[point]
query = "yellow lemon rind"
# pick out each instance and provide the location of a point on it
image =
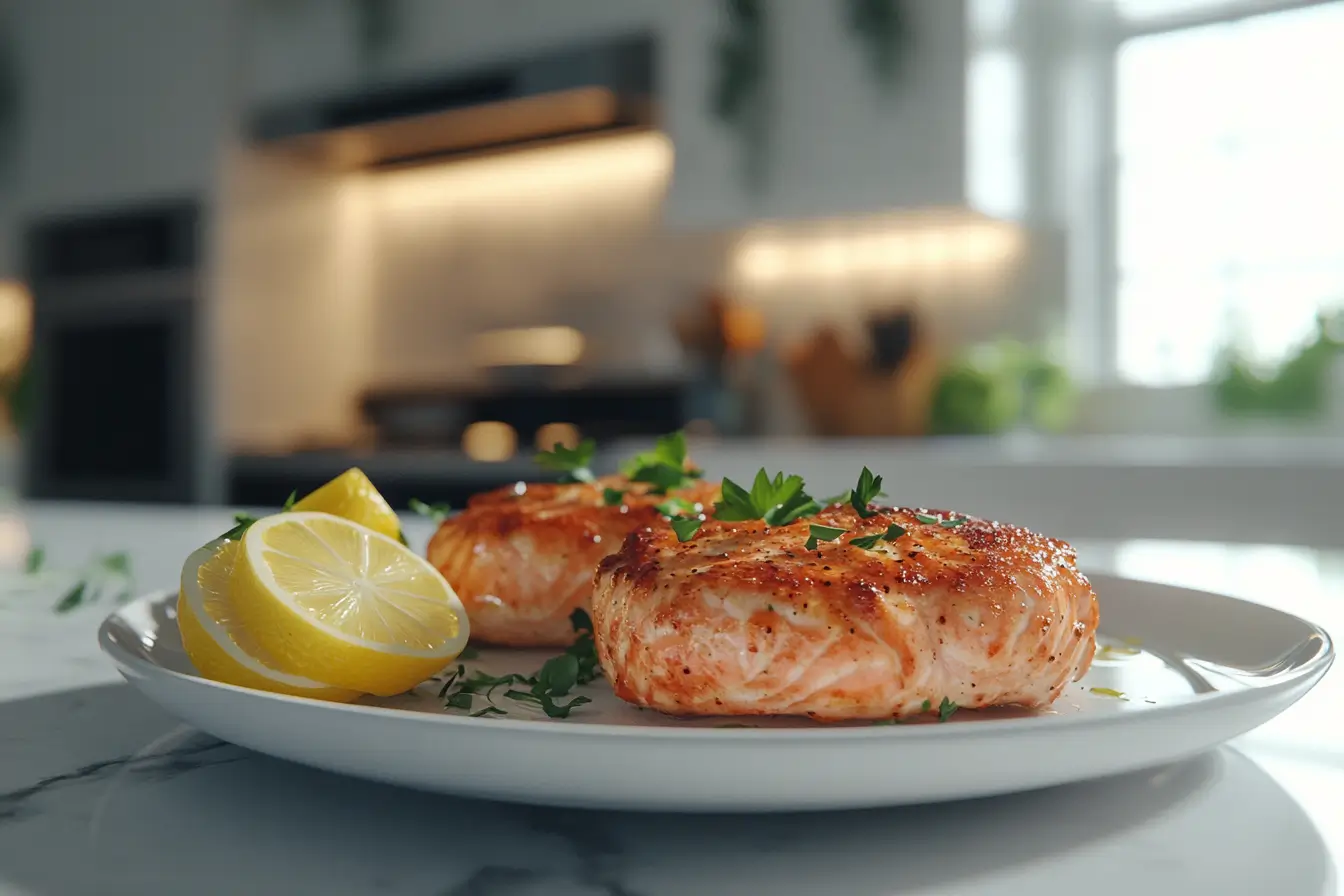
(351, 495)
(301, 645)
(219, 658)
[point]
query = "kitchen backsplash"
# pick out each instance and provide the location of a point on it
(327, 284)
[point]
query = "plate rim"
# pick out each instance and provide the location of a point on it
(1311, 669)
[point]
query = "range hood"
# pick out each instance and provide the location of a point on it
(594, 89)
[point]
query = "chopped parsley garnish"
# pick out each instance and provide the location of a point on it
(778, 501)
(867, 542)
(106, 576)
(927, 705)
(556, 678)
(945, 709)
(243, 521)
(952, 522)
(686, 527)
(573, 463)
(817, 533)
(674, 507)
(612, 496)
(926, 519)
(665, 466)
(1109, 692)
(868, 488)
(435, 512)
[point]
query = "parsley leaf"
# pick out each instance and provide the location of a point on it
(952, 522)
(559, 674)
(867, 542)
(686, 526)
(105, 576)
(822, 533)
(665, 466)
(435, 512)
(926, 519)
(674, 507)
(572, 462)
(778, 501)
(927, 705)
(72, 598)
(118, 563)
(241, 522)
(945, 710)
(557, 677)
(868, 488)
(612, 496)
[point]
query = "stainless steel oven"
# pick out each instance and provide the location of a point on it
(117, 412)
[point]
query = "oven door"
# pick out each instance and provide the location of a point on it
(114, 389)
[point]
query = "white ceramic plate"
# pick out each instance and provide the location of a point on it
(1209, 668)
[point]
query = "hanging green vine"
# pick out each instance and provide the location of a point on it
(883, 29)
(740, 91)
(739, 99)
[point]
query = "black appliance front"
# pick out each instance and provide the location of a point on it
(115, 376)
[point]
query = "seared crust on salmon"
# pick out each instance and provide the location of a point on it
(743, 620)
(522, 557)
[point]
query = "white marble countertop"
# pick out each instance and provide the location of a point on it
(102, 792)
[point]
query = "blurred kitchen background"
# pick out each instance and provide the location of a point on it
(1076, 262)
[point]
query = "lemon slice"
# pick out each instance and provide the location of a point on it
(352, 495)
(221, 648)
(334, 601)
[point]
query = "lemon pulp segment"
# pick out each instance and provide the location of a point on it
(336, 601)
(218, 645)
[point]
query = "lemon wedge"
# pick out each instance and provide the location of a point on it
(221, 648)
(340, 603)
(353, 496)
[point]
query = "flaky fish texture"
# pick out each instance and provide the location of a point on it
(522, 557)
(744, 620)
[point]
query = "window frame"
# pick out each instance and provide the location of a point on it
(1095, 323)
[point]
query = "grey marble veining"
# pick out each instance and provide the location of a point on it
(101, 792)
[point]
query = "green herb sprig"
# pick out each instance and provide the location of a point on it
(686, 527)
(578, 665)
(243, 521)
(664, 467)
(868, 542)
(950, 522)
(777, 501)
(817, 533)
(612, 496)
(573, 463)
(945, 709)
(105, 577)
(435, 513)
(864, 492)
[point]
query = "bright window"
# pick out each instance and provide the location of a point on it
(1229, 143)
